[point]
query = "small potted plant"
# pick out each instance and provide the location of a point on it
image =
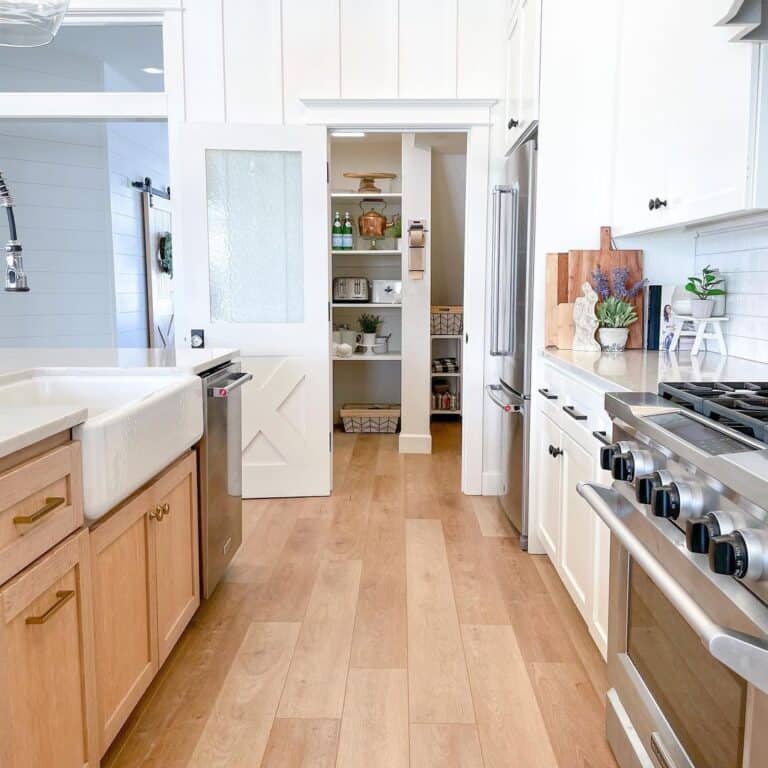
(369, 324)
(615, 312)
(704, 288)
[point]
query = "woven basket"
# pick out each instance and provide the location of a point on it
(447, 321)
(370, 417)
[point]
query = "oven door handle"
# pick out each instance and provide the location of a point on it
(746, 655)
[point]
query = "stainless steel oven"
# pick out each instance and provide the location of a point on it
(687, 646)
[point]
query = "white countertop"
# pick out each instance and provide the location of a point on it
(640, 371)
(23, 426)
(184, 360)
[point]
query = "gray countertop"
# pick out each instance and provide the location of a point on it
(641, 371)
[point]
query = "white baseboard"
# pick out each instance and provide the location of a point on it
(492, 483)
(415, 443)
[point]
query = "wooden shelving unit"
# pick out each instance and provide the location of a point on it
(375, 358)
(353, 304)
(454, 340)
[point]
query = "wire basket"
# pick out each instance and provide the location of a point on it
(447, 321)
(370, 417)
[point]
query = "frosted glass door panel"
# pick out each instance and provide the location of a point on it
(255, 236)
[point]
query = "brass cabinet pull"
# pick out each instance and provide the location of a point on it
(160, 511)
(51, 503)
(64, 596)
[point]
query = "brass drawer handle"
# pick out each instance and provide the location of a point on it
(51, 503)
(160, 511)
(64, 596)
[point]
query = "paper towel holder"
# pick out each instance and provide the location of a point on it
(417, 241)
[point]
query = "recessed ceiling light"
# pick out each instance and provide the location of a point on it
(348, 134)
(153, 70)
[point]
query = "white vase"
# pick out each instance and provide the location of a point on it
(702, 308)
(613, 339)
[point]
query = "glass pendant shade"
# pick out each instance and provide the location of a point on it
(29, 23)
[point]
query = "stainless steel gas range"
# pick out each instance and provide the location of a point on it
(688, 626)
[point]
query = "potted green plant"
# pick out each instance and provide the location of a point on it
(369, 324)
(704, 288)
(615, 312)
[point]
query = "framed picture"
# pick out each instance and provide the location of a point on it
(667, 322)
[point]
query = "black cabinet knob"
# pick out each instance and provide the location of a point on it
(623, 467)
(665, 501)
(654, 204)
(554, 452)
(699, 531)
(512, 123)
(728, 555)
(644, 487)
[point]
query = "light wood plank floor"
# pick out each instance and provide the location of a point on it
(395, 623)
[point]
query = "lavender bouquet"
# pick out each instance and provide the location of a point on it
(615, 309)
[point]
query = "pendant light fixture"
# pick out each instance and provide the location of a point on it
(29, 23)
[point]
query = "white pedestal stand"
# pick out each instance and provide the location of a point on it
(700, 333)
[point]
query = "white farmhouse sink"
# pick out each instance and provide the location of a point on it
(137, 424)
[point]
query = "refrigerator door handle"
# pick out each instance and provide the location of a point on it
(514, 252)
(500, 398)
(500, 325)
(495, 278)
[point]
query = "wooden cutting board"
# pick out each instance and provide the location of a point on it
(566, 273)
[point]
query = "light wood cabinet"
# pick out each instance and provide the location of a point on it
(146, 589)
(522, 69)
(47, 706)
(690, 108)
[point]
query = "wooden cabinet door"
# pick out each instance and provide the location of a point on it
(577, 526)
(47, 705)
(548, 467)
(176, 552)
(124, 611)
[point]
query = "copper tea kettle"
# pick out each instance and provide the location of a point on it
(371, 223)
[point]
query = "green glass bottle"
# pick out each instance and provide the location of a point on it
(346, 234)
(336, 233)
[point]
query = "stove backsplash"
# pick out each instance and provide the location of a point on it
(740, 250)
(739, 247)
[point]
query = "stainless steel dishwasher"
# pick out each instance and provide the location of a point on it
(220, 454)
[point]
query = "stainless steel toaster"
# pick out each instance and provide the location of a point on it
(350, 289)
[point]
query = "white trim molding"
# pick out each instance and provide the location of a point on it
(404, 114)
(85, 106)
(415, 443)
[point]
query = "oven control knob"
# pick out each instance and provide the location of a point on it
(728, 555)
(623, 467)
(644, 487)
(699, 531)
(608, 452)
(665, 501)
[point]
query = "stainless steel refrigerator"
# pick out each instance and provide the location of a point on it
(511, 318)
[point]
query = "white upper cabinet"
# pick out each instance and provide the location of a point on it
(522, 59)
(688, 117)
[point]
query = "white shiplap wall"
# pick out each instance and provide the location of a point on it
(740, 250)
(135, 150)
(57, 174)
(252, 60)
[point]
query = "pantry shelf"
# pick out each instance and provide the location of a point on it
(366, 196)
(446, 336)
(367, 252)
(445, 412)
(374, 358)
(436, 375)
(346, 304)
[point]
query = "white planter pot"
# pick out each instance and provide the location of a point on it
(613, 339)
(702, 308)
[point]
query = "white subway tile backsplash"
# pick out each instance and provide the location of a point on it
(740, 251)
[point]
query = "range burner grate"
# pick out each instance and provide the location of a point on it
(740, 405)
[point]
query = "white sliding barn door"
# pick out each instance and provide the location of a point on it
(255, 256)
